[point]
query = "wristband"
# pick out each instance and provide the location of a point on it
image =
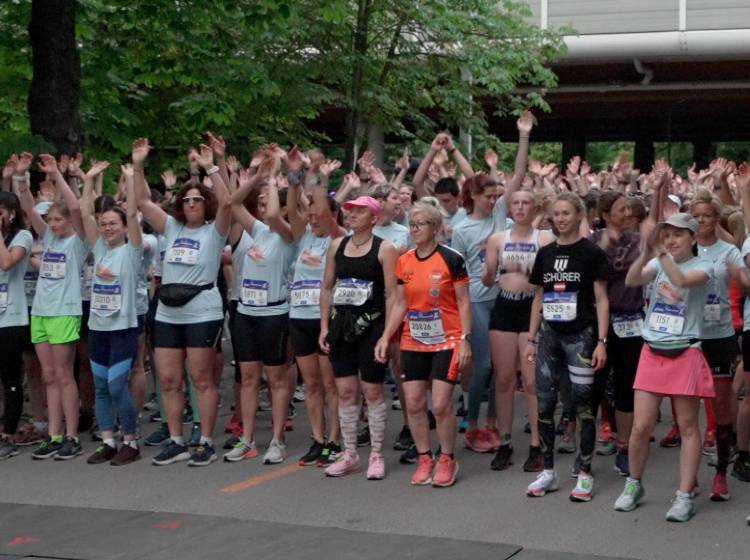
(523, 135)
(532, 342)
(19, 177)
(213, 169)
(294, 178)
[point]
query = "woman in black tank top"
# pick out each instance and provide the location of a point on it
(358, 280)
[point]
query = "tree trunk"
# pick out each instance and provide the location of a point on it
(360, 47)
(56, 83)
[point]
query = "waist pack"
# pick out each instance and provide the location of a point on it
(671, 352)
(177, 295)
(348, 327)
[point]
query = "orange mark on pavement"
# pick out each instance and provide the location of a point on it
(23, 540)
(168, 525)
(260, 479)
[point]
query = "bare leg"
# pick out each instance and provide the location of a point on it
(646, 410)
(690, 453)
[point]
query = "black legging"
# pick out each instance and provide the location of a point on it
(12, 342)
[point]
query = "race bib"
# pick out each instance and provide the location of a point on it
(106, 299)
(560, 307)
(29, 283)
(53, 265)
(305, 293)
(518, 256)
(712, 309)
(351, 291)
(426, 326)
(3, 297)
(627, 325)
(184, 251)
(667, 318)
(254, 293)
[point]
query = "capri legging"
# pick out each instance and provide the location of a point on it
(622, 356)
(12, 343)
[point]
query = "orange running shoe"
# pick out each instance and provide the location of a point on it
(445, 472)
(423, 475)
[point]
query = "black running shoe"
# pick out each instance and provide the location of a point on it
(561, 426)
(363, 436)
(503, 458)
(103, 454)
(741, 470)
(535, 461)
(329, 455)
(231, 442)
(171, 453)
(410, 456)
(47, 449)
(313, 454)
(203, 456)
(404, 440)
(70, 449)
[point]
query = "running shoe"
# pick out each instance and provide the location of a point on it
(125, 455)
(172, 453)
(348, 463)
(545, 481)
(682, 509)
(70, 449)
(404, 440)
(622, 463)
(264, 402)
(605, 432)
(410, 456)
(8, 449)
(376, 467)
(741, 470)
(195, 435)
(493, 436)
(709, 443)
(151, 404)
(720, 488)
(204, 455)
(313, 454)
(631, 495)
(535, 461)
(187, 415)
(423, 475)
(159, 437)
(275, 454)
(232, 425)
(363, 436)
(27, 435)
(47, 449)
(241, 451)
(503, 458)
(330, 454)
(584, 488)
(567, 443)
(607, 448)
(446, 471)
(292, 412)
(103, 454)
(288, 425)
(463, 425)
(396, 404)
(156, 417)
(476, 440)
(233, 440)
(299, 394)
(672, 439)
(562, 426)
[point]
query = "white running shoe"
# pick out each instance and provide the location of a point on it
(546, 481)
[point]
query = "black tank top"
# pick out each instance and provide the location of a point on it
(366, 268)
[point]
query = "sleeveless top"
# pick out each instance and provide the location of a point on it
(360, 286)
(521, 254)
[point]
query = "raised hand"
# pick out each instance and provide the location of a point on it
(490, 158)
(377, 176)
(97, 168)
(535, 167)
(23, 163)
(48, 164)
(63, 163)
(742, 179)
(293, 160)
(258, 156)
(245, 176)
(206, 156)
(169, 179)
(366, 162)
(329, 167)
(585, 168)
(574, 165)
(352, 180)
(127, 170)
(139, 151)
(404, 161)
(192, 156)
(549, 169)
(233, 164)
(10, 166)
(217, 144)
(440, 142)
(525, 122)
(74, 165)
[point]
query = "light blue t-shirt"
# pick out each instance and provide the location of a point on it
(265, 273)
(192, 256)
(717, 312)
(309, 266)
(675, 314)
(397, 234)
(470, 239)
(451, 222)
(14, 311)
(58, 290)
(746, 308)
(238, 257)
(114, 287)
(150, 248)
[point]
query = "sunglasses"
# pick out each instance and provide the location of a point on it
(192, 199)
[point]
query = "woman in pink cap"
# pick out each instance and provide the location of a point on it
(359, 278)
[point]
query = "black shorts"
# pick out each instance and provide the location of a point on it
(425, 366)
(349, 359)
(623, 355)
(511, 315)
(261, 339)
(86, 312)
(721, 355)
(194, 335)
(304, 334)
(141, 324)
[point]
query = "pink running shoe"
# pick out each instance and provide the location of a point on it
(477, 441)
(445, 472)
(348, 463)
(376, 468)
(423, 475)
(720, 488)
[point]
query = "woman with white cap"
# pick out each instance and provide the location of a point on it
(671, 361)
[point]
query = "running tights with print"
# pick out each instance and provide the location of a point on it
(482, 380)
(566, 358)
(12, 341)
(112, 355)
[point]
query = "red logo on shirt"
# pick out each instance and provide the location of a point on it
(559, 286)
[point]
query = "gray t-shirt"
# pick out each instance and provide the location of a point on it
(192, 256)
(114, 287)
(717, 311)
(150, 249)
(58, 290)
(238, 257)
(451, 222)
(14, 310)
(397, 234)
(309, 267)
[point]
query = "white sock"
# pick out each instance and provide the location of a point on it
(109, 441)
(132, 443)
(207, 440)
(178, 440)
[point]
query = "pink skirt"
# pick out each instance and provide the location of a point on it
(687, 374)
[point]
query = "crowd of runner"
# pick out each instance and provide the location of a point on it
(602, 291)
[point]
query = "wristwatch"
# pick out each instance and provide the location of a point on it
(466, 337)
(603, 340)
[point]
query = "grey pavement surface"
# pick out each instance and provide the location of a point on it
(483, 507)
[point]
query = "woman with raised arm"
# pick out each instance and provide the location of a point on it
(358, 280)
(315, 229)
(487, 214)
(15, 247)
(512, 253)
(569, 323)
(113, 322)
(671, 361)
(56, 312)
(262, 319)
(189, 315)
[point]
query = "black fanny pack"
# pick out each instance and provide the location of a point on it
(177, 295)
(348, 327)
(671, 352)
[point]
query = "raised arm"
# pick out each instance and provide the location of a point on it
(295, 175)
(459, 158)
(524, 123)
(349, 184)
(8, 169)
(24, 194)
(135, 235)
(223, 218)
(87, 201)
(440, 141)
(152, 212)
(743, 186)
(403, 167)
(49, 165)
(274, 219)
(491, 261)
